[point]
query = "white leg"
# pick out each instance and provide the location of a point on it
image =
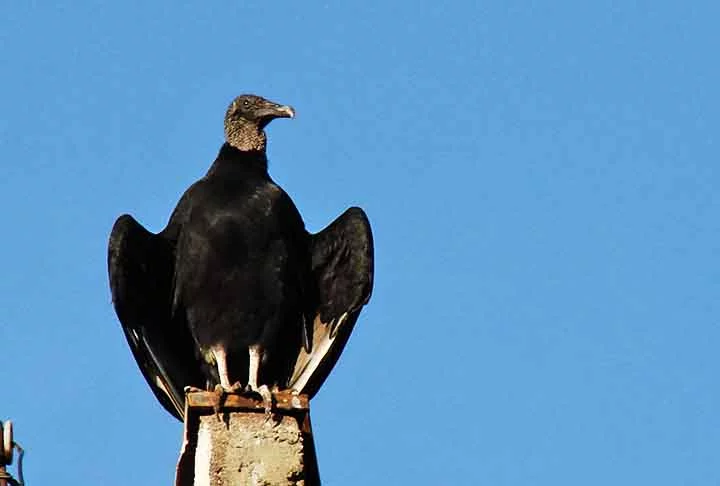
(255, 357)
(221, 360)
(264, 391)
(224, 387)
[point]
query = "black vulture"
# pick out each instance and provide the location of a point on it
(234, 292)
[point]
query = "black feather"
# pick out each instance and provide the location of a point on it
(141, 271)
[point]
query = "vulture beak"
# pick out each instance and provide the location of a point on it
(273, 110)
(285, 111)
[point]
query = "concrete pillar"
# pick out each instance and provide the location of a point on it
(241, 446)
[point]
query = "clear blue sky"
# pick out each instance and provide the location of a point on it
(541, 178)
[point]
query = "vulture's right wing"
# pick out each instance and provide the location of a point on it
(140, 266)
(342, 270)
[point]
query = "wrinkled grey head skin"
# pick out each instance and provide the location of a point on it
(246, 118)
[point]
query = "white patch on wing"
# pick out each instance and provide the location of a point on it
(322, 341)
(160, 380)
(160, 383)
(334, 328)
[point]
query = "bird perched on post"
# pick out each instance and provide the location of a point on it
(234, 294)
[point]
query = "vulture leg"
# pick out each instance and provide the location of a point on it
(255, 358)
(221, 360)
(224, 387)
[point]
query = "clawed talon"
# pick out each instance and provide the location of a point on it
(266, 395)
(264, 392)
(221, 393)
(192, 389)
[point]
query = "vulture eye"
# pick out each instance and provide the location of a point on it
(246, 103)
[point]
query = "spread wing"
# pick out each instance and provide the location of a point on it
(140, 266)
(342, 270)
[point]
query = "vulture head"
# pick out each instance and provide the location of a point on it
(246, 118)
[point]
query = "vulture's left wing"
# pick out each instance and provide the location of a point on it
(140, 267)
(342, 269)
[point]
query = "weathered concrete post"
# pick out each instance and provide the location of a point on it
(242, 446)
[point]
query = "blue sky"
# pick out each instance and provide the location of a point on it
(541, 181)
